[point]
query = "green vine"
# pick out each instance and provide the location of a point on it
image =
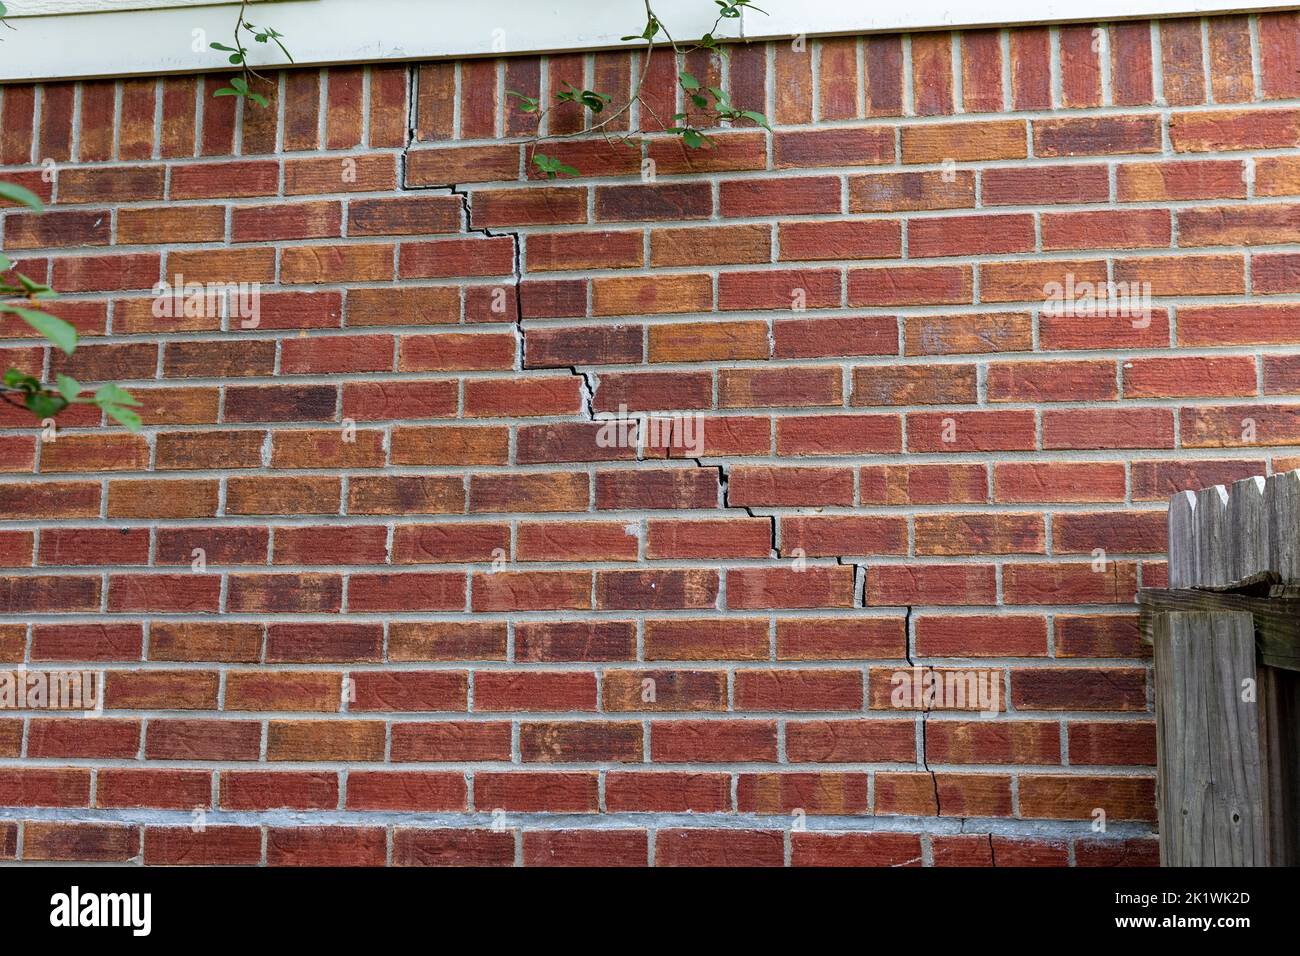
(713, 101)
(241, 85)
(23, 298)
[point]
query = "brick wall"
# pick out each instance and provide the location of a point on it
(440, 619)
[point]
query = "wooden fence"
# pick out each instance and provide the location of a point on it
(1226, 636)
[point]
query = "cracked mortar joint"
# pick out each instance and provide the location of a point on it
(925, 717)
(589, 386)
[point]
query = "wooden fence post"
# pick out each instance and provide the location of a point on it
(1211, 812)
(1226, 639)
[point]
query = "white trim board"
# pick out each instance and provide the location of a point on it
(46, 8)
(171, 36)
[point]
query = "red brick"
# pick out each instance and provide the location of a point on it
(930, 584)
(705, 741)
(212, 846)
(1080, 66)
(704, 847)
(1031, 73)
(586, 848)
(932, 81)
(1096, 136)
(839, 638)
(1131, 77)
(830, 536)
(669, 792)
(855, 849)
(968, 635)
(529, 791)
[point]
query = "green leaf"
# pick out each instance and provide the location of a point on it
(527, 104)
(113, 399)
(758, 118)
(44, 404)
(258, 98)
(552, 166)
(3, 11)
(688, 81)
(63, 335)
(115, 395)
(17, 379)
(649, 33)
(5, 263)
(123, 416)
(226, 91)
(18, 194)
(34, 289)
(69, 387)
(731, 10)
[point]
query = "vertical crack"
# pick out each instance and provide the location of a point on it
(859, 580)
(724, 482)
(516, 244)
(588, 386)
(925, 715)
(516, 248)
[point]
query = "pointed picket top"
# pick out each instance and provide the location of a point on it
(1222, 536)
(1282, 495)
(1248, 521)
(1213, 537)
(1182, 540)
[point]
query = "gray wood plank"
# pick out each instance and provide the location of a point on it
(1213, 551)
(1209, 787)
(1279, 720)
(1277, 619)
(1182, 540)
(1247, 529)
(1282, 493)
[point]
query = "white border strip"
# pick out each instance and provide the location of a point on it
(173, 39)
(45, 8)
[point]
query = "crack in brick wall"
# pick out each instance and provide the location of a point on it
(358, 676)
(588, 387)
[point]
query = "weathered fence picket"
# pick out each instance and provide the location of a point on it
(1208, 740)
(1226, 638)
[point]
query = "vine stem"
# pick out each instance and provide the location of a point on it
(5, 392)
(243, 53)
(634, 96)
